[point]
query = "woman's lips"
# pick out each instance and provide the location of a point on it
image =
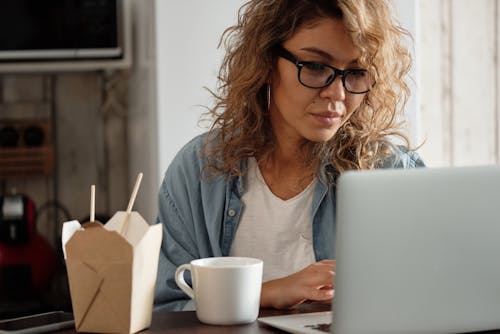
(335, 111)
(328, 118)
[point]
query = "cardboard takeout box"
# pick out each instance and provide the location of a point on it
(112, 276)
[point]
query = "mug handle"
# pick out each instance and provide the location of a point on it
(179, 279)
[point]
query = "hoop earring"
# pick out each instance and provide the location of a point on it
(268, 96)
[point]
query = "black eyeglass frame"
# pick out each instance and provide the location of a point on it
(284, 53)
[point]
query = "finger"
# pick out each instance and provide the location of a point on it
(318, 268)
(318, 278)
(322, 266)
(327, 287)
(317, 294)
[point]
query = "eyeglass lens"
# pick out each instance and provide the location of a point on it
(318, 75)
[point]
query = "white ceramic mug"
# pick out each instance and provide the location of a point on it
(226, 290)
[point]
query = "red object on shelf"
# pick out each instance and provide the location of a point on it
(27, 260)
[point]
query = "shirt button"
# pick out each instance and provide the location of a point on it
(231, 213)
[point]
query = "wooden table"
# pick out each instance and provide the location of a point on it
(186, 322)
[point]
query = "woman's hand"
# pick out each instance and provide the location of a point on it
(314, 282)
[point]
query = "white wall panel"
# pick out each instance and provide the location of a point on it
(459, 82)
(187, 35)
(473, 47)
(434, 103)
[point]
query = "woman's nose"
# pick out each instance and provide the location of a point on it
(335, 90)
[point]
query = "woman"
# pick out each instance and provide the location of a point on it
(308, 89)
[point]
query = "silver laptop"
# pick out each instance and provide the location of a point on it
(418, 251)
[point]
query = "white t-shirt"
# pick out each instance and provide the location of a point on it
(277, 231)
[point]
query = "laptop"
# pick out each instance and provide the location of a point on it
(418, 251)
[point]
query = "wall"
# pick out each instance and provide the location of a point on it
(143, 117)
(407, 13)
(459, 86)
(187, 35)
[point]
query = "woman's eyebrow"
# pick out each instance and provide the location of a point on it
(327, 56)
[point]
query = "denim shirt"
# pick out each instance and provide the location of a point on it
(200, 217)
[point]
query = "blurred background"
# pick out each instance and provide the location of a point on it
(96, 91)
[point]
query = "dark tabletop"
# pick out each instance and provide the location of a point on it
(186, 322)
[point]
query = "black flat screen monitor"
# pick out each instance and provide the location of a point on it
(59, 29)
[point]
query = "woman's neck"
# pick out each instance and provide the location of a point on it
(286, 172)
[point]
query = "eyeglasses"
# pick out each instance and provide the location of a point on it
(318, 75)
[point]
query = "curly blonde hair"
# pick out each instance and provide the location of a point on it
(241, 126)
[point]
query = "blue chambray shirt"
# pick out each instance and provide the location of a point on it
(200, 217)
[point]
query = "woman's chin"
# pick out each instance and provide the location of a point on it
(322, 135)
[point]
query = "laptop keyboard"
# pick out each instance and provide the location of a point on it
(320, 327)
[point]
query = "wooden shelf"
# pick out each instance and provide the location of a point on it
(23, 161)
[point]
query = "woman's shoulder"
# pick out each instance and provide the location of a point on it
(192, 148)
(400, 156)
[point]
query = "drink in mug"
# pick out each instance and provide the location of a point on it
(226, 290)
